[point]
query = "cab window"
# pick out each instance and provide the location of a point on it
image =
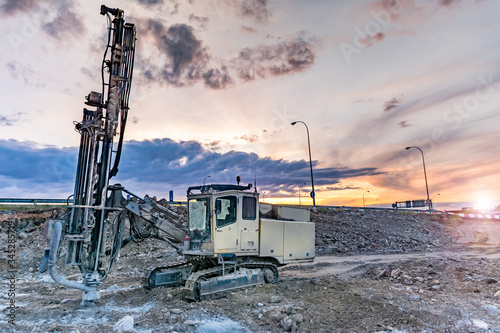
(249, 208)
(199, 219)
(225, 208)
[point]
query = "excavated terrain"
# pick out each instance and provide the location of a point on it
(375, 271)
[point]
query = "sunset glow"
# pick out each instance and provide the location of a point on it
(484, 204)
(217, 84)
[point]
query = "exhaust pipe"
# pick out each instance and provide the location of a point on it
(89, 293)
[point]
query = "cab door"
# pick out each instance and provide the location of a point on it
(226, 227)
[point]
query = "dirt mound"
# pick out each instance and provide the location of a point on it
(353, 232)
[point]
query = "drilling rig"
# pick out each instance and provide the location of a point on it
(232, 240)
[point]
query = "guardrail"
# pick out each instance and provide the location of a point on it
(57, 201)
(179, 203)
(426, 211)
(34, 201)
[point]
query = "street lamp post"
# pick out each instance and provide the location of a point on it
(364, 198)
(425, 176)
(204, 180)
(434, 197)
(313, 194)
(300, 203)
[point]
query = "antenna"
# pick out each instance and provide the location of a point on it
(255, 175)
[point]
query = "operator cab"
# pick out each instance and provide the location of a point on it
(223, 219)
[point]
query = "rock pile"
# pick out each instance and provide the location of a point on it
(355, 232)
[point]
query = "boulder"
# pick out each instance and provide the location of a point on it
(126, 324)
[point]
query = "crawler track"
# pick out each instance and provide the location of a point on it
(192, 288)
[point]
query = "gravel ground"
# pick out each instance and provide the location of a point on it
(380, 271)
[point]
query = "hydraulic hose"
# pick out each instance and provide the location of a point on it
(58, 278)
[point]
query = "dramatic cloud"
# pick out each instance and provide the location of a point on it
(216, 78)
(255, 9)
(164, 161)
(185, 163)
(184, 60)
(287, 57)
(24, 161)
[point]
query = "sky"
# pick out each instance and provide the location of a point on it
(217, 84)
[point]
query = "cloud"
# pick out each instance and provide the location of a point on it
(185, 51)
(159, 3)
(339, 188)
(411, 11)
(201, 21)
(165, 162)
(67, 22)
(286, 57)
(391, 104)
(13, 7)
(362, 100)
(247, 29)
(447, 3)
(395, 181)
(184, 60)
(216, 78)
(378, 36)
(92, 74)
(249, 138)
(403, 124)
(25, 73)
(25, 161)
(149, 3)
(255, 9)
(213, 145)
(11, 120)
(375, 38)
